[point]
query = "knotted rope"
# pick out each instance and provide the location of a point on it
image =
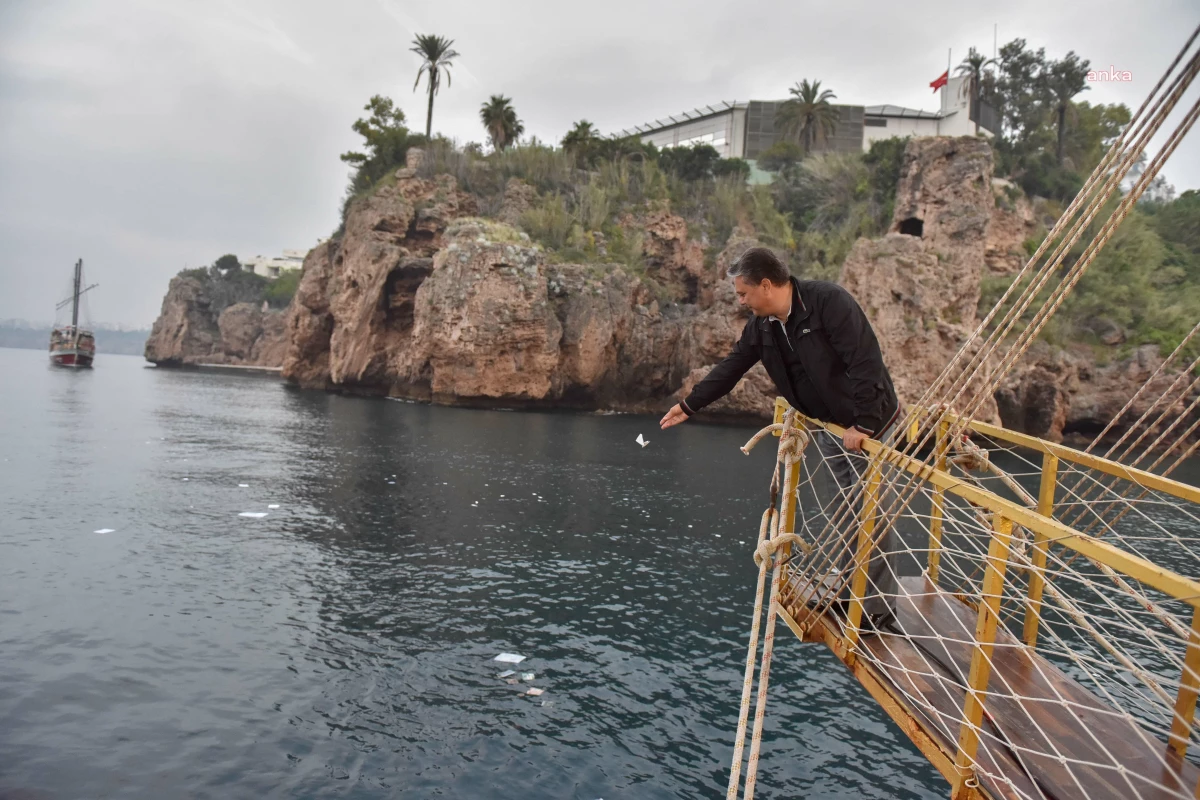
(793, 439)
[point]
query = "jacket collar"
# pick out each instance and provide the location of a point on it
(800, 310)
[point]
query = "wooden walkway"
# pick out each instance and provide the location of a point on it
(920, 679)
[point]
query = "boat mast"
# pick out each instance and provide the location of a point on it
(75, 304)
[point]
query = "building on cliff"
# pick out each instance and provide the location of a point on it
(274, 266)
(745, 130)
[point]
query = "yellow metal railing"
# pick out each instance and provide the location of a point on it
(1040, 522)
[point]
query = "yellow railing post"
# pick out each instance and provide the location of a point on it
(1037, 575)
(939, 499)
(981, 659)
(1189, 688)
(862, 560)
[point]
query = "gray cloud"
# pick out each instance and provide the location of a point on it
(148, 136)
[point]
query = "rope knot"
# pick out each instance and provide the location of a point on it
(768, 548)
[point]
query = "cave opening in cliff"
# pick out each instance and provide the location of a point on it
(400, 292)
(913, 226)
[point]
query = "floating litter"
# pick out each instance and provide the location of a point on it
(253, 514)
(243, 486)
(506, 673)
(512, 681)
(186, 479)
(105, 530)
(641, 441)
(527, 676)
(509, 658)
(391, 483)
(273, 505)
(534, 692)
(717, 535)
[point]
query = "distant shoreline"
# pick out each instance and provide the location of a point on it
(112, 342)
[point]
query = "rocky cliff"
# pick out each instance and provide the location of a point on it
(919, 284)
(191, 330)
(421, 298)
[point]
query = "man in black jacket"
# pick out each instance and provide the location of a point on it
(822, 354)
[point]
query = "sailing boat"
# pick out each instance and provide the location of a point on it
(70, 345)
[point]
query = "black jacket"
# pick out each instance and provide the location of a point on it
(828, 366)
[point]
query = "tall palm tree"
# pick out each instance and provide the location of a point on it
(808, 118)
(438, 58)
(1064, 80)
(500, 120)
(580, 136)
(972, 67)
(580, 142)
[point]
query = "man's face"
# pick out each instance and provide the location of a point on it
(751, 296)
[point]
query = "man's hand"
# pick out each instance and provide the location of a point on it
(853, 438)
(673, 417)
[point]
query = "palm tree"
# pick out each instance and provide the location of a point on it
(808, 118)
(500, 120)
(972, 67)
(1064, 80)
(580, 136)
(437, 55)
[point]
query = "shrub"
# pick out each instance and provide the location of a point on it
(280, 291)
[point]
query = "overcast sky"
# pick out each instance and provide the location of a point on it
(149, 135)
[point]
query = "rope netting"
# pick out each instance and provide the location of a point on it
(1030, 606)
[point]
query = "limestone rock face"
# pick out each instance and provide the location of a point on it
(1062, 395)
(309, 322)
(919, 284)
(1013, 223)
(241, 324)
(185, 331)
(190, 331)
(518, 198)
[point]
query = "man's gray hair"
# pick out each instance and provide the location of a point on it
(759, 264)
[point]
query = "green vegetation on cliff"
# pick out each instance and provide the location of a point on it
(227, 283)
(586, 200)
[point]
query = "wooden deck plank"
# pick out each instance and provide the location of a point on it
(1039, 708)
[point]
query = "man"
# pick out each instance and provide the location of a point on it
(818, 347)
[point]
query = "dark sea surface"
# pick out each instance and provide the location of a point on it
(342, 645)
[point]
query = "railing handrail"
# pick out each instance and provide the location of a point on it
(1133, 566)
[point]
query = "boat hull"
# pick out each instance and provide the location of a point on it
(77, 359)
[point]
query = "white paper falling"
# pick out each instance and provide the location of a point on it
(641, 441)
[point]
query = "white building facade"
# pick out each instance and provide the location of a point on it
(746, 129)
(274, 266)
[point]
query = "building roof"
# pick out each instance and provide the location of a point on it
(888, 110)
(679, 119)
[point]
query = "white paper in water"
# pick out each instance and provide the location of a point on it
(105, 530)
(506, 673)
(534, 692)
(253, 514)
(243, 486)
(527, 676)
(509, 658)
(273, 505)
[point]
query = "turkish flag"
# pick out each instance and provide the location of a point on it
(941, 80)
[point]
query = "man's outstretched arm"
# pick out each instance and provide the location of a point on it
(718, 382)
